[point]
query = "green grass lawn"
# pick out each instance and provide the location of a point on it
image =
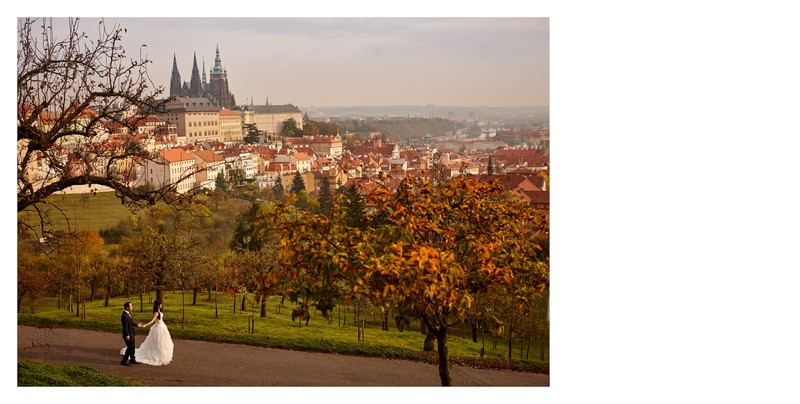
(86, 211)
(42, 374)
(277, 330)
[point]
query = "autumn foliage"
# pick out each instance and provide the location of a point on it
(428, 249)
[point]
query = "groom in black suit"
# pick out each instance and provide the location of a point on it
(129, 335)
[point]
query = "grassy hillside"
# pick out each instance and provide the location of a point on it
(78, 211)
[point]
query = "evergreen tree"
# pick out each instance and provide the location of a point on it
(252, 134)
(277, 188)
(302, 202)
(297, 184)
(220, 182)
(325, 198)
(244, 237)
(353, 206)
(490, 167)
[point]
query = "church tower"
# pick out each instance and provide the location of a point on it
(219, 84)
(194, 85)
(205, 83)
(175, 81)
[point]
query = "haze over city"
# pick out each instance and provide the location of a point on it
(497, 62)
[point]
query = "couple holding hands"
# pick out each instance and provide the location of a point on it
(157, 347)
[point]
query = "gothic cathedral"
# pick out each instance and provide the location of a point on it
(216, 90)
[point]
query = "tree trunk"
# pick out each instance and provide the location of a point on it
(541, 348)
(209, 293)
(194, 296)
(429, 340)
(244, 299)
(441, 345)
(107, 298)
(263, 305)
(510, 333)
(385, 320)
(528, 351)
(483, 343)
(183, 306)
(159, 294)
(474, 327)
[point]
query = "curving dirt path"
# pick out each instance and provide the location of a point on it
(197, 363)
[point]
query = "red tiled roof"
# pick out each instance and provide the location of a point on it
(175, 155)
(208, 156)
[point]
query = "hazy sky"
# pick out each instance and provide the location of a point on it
(355, 61)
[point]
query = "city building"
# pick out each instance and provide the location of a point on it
(270, 118)
(328, 146)
(170, 167)
(230, 126)
(196, 119)
(210, 165)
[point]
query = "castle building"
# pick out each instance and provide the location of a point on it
(270, 118)
(216, 89)
(196, 119)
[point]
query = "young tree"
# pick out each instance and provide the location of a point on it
(315, 252)
(166, 244)
(34, 275)
(255, 254)
(114, 273)
(69, 87)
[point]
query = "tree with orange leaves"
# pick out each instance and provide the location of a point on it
(431, 249)
(443, 244)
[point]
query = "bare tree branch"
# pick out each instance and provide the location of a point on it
(80, 101)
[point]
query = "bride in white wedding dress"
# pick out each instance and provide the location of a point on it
(157, 347)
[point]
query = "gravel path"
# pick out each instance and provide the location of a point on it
(197, 363)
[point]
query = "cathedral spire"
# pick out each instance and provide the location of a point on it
(217, 64)
(175, 80)
(205, 83)
(194, 84)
